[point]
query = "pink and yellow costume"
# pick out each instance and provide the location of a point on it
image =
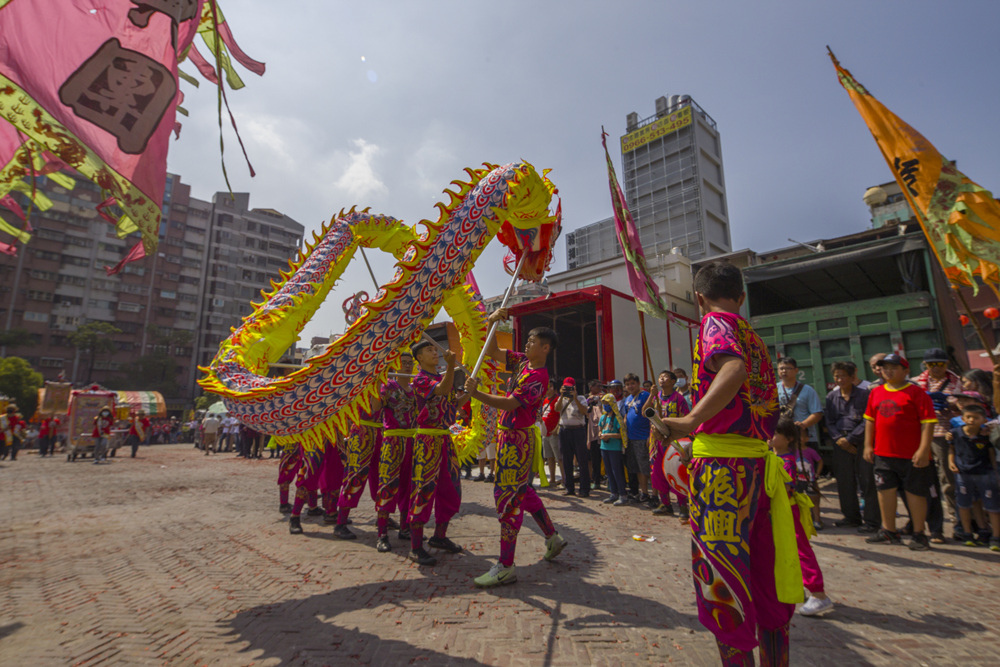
(746, 574)
(395, 470)
(518, 441)
(363, 445)
(436, 481)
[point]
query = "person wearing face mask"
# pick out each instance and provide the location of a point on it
(682, 384)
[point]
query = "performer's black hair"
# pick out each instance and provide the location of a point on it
(545, 335)
(719, 280)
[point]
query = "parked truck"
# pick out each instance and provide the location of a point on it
(884, 294)
(601, 335)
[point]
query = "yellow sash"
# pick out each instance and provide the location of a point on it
(400, 432)
(787, 569)
(365, 422)
(805, 504)
(433, 431)
(537, 463)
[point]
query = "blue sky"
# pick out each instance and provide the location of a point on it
(382, 104)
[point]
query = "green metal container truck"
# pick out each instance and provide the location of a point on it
(852, 300)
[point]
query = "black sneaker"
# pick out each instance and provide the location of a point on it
(315, 511)
(383, 546)
(907, 529)
(846, 523)
(404, 534)
(884, 536)
(664, 510)
(920, 542)
(391, 524)
(330, 519)
(342, 532)
(684, 514)
(479, 478)
(421, 557)
(489, 478)
(865, 529)
(643, 498)
(444, 544)
(285, 508)
(295, 525)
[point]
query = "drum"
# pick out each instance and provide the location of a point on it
(675, 471)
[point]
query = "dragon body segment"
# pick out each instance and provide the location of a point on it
(312, 404)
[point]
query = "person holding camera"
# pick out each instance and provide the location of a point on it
(572, 411)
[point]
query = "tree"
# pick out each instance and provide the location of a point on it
(157, 370)
(205, 401)
(94, 338)
(20, 382)
(15, 338)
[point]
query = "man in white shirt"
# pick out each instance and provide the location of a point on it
(573, 437)
(210, 431)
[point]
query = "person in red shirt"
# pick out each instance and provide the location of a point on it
(139, 431)
(47, 431)
(102, 433)
(550, 436)
(899, 426)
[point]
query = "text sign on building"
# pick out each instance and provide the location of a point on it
(662, 127)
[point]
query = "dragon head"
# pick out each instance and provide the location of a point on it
(526, 225)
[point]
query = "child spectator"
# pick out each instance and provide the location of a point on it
(900, 424)
(973, 460)
(612, 452)
(787, 444)
(981, 382)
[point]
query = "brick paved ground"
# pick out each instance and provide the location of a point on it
(175, 558)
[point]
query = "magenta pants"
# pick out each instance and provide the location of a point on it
(332, 476)
(812, 576)
(361, 467)
(436, 481)
(291, 459)
(513, 491)
(732, 551)
(395, 475)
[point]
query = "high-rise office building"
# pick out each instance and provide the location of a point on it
(674, 184)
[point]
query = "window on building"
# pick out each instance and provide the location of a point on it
(168, 294)
(36, 295)
(129, 307)
(32, 316)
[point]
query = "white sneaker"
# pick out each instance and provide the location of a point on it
(497, 576)
(554, 546)
(815, 606)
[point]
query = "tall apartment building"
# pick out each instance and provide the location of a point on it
(247, 249)
(175, 304)
(674, 185)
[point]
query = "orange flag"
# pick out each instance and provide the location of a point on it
(960, 219)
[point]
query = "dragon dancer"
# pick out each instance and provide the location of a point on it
(518, 447)
(306, 492)
(744, 558)
(288, 468)
(363, 445)
(395, 469)
(436, 476)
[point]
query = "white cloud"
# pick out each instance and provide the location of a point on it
(359, 179)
